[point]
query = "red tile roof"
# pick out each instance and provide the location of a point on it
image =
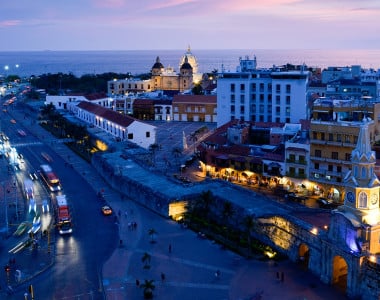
(108, 114)
(203, 99)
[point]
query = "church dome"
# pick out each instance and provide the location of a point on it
(186, 65)
(191, 59)
(158, 64)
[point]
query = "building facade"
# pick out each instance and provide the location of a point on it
(194, 108)
(262, 95)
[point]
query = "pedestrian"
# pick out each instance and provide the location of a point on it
(162, 277)
(137, 282)
(217, 274)
(278, 275)
(170, 248)
(282, 277)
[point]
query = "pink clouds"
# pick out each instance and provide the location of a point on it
(9, 23)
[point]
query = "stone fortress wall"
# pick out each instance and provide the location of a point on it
(283, 232)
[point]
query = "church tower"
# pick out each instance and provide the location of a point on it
(157, 70)
(186, 76)
(361, 203)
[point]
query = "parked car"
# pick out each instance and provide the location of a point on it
(106, 210)
(326, 203)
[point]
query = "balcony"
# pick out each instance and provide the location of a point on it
(296, 175)
(296, 162)
(317, 158)
(317, 142)
(334, 143)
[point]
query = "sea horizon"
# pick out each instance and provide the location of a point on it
(81, 62)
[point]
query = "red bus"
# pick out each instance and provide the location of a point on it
(50, 178)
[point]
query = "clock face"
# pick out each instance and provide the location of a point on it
(374, 199)
(350, 197)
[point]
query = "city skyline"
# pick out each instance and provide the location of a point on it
(171, 24)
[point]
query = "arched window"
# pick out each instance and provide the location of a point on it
(362, 200)
(363, 175)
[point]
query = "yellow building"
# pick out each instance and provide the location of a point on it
(194, 108)
(334, 132)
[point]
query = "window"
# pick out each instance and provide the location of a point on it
(278, 99)
(253, 97)
(261, 87)
(292, 157)
(316, 166)
(232, 98)
(318, 153)
(242, 109)
(147, 134)
(330, 168)
(339, 169)
(334, 155)
(302, 159)
(232, 88)
(130, 136)
(287, 100)
(339, 137)
(322, 136)
(288, 88)
(347, 157)
(278, 109)
(232, 109)
(242, 99)
(242, 87)
(362, 199)
(278, 88)
(253, 87)
(331, 137)
(315, 137)
(347, 138)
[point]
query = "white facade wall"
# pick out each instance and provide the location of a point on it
(144, 134)
(137, 132)
(60, 102)
(293, 97)
(256, 97)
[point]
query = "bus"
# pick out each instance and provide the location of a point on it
(50, 178)
(63, 215)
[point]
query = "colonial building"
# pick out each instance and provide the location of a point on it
(122, 127)
(262, 95)
(194, 108)
(334, 132)
(63, 101)
(163, 78)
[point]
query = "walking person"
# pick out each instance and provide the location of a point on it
(137, 282)
(162, 277)
(170, 248)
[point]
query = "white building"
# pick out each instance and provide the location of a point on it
(262, 95)
(62, 102)
(122, 127)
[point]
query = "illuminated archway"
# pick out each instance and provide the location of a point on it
(339, 273)
(304, 255)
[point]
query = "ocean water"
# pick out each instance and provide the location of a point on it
(29, 63)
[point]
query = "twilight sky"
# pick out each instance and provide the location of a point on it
(202, 24)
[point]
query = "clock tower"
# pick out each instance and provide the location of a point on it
(361, 203)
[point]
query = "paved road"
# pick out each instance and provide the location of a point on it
(190, 266)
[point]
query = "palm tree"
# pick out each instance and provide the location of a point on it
(194, 138)
(227, 213)
(249, 224)
(205, 201)
(152, 232)
(146, 260)
(177, 152)
(148, 287)
(153, 148)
